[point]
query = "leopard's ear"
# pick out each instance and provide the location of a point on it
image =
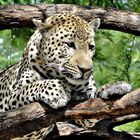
(95, 23)
(41, 25)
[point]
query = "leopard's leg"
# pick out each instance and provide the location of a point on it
(85, 91)
(113, 90)
(50, 92)
(107, 91)
(36, 135)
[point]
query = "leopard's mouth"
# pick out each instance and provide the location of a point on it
(71, 79)
(67, 74)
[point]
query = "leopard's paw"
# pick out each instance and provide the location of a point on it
(114, 90)
(54, 94)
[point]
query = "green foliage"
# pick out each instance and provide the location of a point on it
(117, 54)
(12, 43)
(117, 58)
(131, 127)
(6, 50)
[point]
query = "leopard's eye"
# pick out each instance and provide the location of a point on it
(91, 46)
(71, 44)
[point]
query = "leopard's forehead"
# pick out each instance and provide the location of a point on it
(72, 24)
(67, 19)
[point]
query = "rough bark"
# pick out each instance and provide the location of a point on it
(18, 16)
(107, 113)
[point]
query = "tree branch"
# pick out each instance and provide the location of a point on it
(108, 114)
(18, 16)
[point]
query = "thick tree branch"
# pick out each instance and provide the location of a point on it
(17, 16)
(107, 113)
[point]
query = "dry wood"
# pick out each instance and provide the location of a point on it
(18, 16)
(107, 113)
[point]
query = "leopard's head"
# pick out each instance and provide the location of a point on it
(68, 42)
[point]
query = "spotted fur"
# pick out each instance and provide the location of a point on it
(55, 67)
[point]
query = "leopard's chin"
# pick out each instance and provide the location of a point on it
(74, 81)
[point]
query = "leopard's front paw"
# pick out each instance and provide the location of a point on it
(54, 99)
(54, 95)
(114, 90)
(57, 102)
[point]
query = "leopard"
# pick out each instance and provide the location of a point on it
(56, 67)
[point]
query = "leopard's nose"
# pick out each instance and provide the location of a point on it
(84, 70)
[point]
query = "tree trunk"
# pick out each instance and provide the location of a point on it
(107, 113)
(18, 16)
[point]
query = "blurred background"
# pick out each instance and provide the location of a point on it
(117, 53)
